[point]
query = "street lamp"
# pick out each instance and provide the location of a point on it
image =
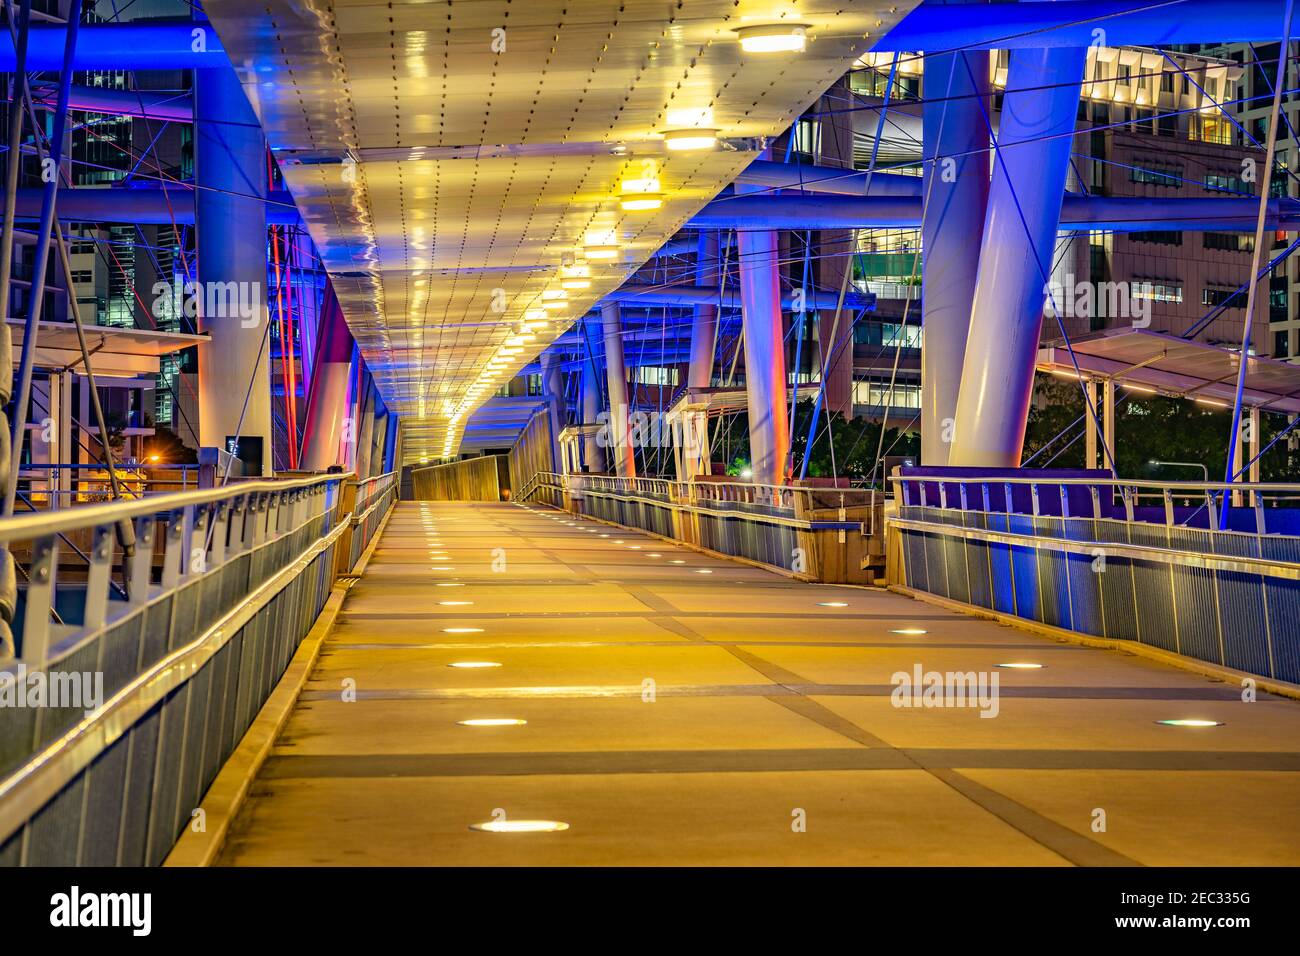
(1183, 464)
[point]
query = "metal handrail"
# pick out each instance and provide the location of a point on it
(39, 524)
(1187, 487)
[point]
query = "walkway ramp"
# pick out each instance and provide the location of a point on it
(683, 709)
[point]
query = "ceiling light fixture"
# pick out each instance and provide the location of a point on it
(774, 38)
(687, 140)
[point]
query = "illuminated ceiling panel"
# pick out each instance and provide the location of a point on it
(449, 157)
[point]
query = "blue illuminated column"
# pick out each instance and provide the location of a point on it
(327, 402)
(230, 221)
(955, 193)
(704, 327)
(765, 376)
(621, 450)
(834, 248)
(365, 426)
(1024, 207)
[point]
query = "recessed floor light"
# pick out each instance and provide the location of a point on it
(455, 603)
(604, 536)
(492, 722)
(703, 571)
(448, 584)
(442, 567)
(909, 630)
(473, 665)
(832, 603)
(520, 826)
(1190, 722)
(462, 630)
(677, 561)
(618, 540)
(635, 547)
(1022, 666)
(653, 554)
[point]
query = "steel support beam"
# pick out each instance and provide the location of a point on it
(620, 449)
(834, 256)
(1074, 23)
(230, 170)
(553, 391)
(1020, 227)
(184, 45)
(638, 294)
(1083, 213)
(704, 327)
(327, 399)
(765, 374)
(593, 454)
(955, 191)
(148, 206)
(827, 179)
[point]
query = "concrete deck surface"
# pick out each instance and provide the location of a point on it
(679, 717)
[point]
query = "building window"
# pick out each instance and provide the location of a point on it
(1277, 309)
(1212, 128)
(1232, 298)
(1228, 183)
(876, 392)
(888, 335)
(1157, 174)
(1157, 291)
(1228, 241)
(1282, 344)
(654, 375)
(808, 139)
(1159, 237)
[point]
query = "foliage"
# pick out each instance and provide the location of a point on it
(169, 448)
(1147, 428)
(854, 440)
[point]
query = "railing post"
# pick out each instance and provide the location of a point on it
(141, 561)
(197, 517)
(220, 518)
(345, 511)
(40, 598)
(1169, 507)
(172, 548)
(98, 574)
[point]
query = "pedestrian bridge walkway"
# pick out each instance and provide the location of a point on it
(675, 708)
